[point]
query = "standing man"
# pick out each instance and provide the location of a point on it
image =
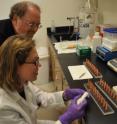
(24, 18)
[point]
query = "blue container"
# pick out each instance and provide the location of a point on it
(110, 33)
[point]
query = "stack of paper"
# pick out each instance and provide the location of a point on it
(66, 47)
(79, 72)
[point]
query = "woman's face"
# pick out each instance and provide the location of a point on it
(29, 70)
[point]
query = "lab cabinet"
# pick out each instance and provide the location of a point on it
(56, 75)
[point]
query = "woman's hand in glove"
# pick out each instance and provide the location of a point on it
(74, 111)
(71, 93)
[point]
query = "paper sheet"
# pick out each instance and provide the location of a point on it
(79, 72)
(62, 47)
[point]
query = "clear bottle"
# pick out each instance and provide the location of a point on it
(87, 18)
(53, 29)
(96, 41)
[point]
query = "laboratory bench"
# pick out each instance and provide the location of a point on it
(93, 114)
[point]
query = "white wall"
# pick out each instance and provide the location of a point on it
(57, 10)
(107, 11)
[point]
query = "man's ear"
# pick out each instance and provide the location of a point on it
(14, 19)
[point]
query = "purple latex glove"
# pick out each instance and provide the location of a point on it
(74, 111)
(71, 93)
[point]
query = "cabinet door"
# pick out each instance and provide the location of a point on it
(56, 74)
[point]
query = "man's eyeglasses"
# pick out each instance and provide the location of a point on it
(36, 62)
(32, 24)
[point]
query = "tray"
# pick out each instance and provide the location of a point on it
(108, 111)
(108, 95)
(91, 70)
(95, 76)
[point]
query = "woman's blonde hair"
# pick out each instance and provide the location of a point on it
(13, 52)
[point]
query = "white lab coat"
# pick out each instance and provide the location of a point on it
(15, 110)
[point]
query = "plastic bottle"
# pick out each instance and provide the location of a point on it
(53, 30)
(96, 41)
(88, 18)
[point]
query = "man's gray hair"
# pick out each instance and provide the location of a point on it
(19, 9)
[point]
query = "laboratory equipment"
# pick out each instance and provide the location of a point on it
(83, 97)
(110, 39)
(83, 51)
(75, 33)
(114, 89)
(93, 69)
(107, 91)
(96, 41)
(87, 18)
(53, 29)
(98, 98)
(110, 44)
(110, 33)
(113, 64)
(105, 54)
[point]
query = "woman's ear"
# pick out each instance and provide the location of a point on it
(21, 57)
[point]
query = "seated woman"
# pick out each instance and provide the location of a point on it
(19, 97)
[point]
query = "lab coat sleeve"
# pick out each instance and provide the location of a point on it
(47, 99)
(11, 117)
(48, 122)
(58, 122)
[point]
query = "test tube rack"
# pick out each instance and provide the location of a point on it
(93, 69)
(107, 91)
(100, 101)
